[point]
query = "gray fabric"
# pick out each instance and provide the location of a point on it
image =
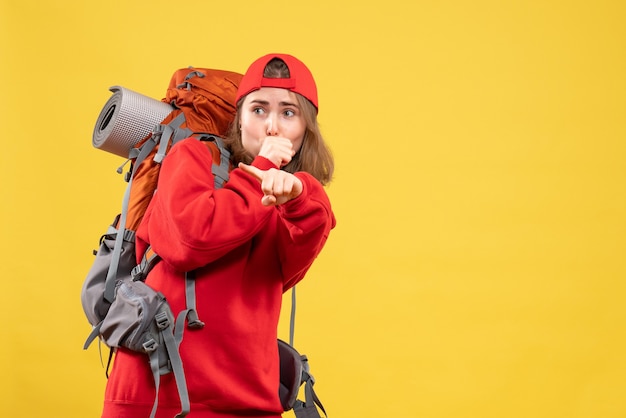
(130, 320)
(290, 372)
(92, 294)
(294, 372)
(139, 318)
(308, 408)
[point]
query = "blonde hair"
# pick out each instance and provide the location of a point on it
(314, 156)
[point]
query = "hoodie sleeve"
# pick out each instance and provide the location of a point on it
(189, 223)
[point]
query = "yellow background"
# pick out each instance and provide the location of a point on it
(477, 269)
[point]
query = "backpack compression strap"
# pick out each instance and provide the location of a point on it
(140, 155)
(307, 409)
(173, 131)
(171, 346)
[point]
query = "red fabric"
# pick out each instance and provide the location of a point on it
(246, 256)
(300, 81)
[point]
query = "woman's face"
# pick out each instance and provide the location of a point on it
(271, 111)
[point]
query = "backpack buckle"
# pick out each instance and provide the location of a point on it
(137, 273)
(150, 345)
(162, 320)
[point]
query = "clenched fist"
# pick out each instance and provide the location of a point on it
(278, 186)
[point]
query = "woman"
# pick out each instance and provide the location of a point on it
(247, 243)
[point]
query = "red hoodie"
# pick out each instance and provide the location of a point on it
(245, 256)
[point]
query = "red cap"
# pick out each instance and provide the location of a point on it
(301, 80)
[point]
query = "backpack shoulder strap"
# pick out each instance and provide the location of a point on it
(220, 171)
(292, 316)
(148, 260)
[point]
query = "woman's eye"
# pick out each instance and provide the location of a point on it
(289, 113)
(258, 110)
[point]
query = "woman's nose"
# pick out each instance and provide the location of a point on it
(272, 126)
